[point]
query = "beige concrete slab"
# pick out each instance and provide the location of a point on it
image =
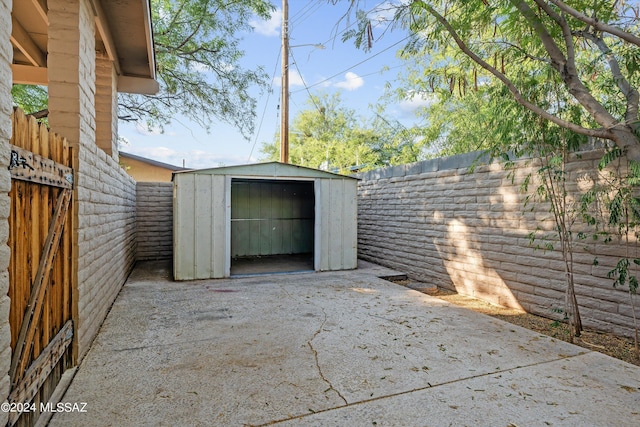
(339, 348)
(586, 390)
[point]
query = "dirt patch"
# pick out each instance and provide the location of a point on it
(615, 346)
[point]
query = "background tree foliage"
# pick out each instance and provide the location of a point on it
(197, 55)
(333, 137)
(30, 98)
(198, 66)
(575, 64)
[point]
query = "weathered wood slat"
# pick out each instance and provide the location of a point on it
(27, 166)
(40, 369)
(35, 306)
(32, 204)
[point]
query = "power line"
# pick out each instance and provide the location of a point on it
(264, 112)
(355, 65)
(296, 19)
(382, 71)
(295, 63)
(299, 17)
(332, 39)
(301, 11)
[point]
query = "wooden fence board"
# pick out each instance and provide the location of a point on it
(40, 369)
(36, 302)
(33, 202)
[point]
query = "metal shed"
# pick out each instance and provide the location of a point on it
(262, 218)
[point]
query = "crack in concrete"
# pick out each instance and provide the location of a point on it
(167, 344)
(315, 352)
(315, 355)
(429, 385)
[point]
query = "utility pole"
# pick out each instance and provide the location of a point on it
(284, 101)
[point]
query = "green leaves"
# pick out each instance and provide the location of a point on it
(622, 275)
(197, 54)
(487, 62)
(30, 98)
(329, 135)
(609, 156)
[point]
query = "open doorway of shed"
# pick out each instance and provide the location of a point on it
(272, 226)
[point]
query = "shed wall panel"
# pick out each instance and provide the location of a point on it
(323, 224)
(199, 215)
(338, 229)
(218, 213)
(203, 236)
(184, 226)
(350, 225)
(335, 226)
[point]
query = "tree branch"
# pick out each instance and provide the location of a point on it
(558, 60)
(190, 36)
(630, 93)
(598, 25)
(598, 133)
(40, 114)
(566, 35)
(565, 65)
(522, 51)
(175, 17)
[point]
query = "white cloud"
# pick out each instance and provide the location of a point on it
(295, 79)
(268, 28)
(417, 100)
(323, 82)
(144, 129)
(351, 81)
(201, 68)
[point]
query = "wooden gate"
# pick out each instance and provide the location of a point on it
(40, 270)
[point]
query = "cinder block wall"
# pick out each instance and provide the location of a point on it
(106, 206)
(6, 55)
(445, 225)
(154, 220)
(106, 105)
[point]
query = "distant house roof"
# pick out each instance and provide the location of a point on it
(152, 162)
(270, 169)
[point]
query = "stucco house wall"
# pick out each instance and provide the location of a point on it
(147, 170)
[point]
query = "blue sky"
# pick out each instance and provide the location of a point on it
(339, 67)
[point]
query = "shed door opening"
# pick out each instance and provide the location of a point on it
(272, 226)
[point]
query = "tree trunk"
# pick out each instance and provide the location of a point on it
(631, 144)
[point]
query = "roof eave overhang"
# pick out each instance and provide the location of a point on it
(137, 83)
(124, 27)
(147, 85)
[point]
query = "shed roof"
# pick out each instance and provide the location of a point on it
(269, 169)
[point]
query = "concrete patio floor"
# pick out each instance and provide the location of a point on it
(332, 349)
